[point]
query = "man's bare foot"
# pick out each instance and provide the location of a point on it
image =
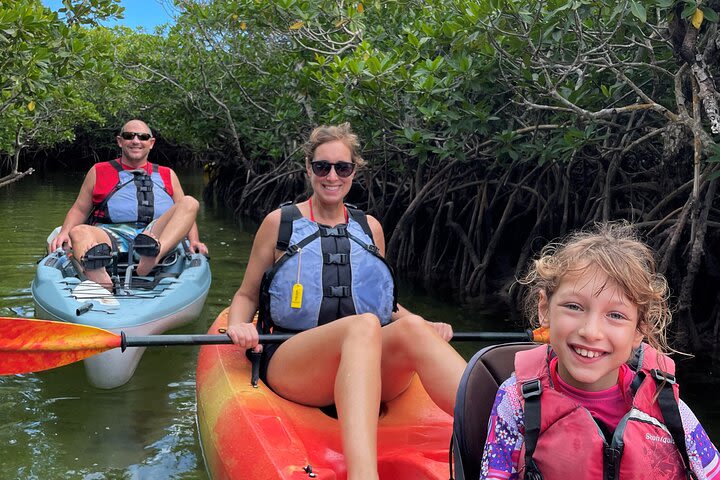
(145, 265)
(101, 277)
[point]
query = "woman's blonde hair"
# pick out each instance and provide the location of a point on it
(614, 248)
(330, 133)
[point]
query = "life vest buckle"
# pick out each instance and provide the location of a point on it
(339, 291)
(292, 250)
(335, 258)
(339, 231)
(663, 376)
(531, 388)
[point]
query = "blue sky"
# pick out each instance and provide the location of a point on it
(138, 13)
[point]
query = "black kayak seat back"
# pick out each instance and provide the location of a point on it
(485, 372)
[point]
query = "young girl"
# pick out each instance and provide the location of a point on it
(601, 400)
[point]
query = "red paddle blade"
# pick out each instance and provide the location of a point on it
(28, 345)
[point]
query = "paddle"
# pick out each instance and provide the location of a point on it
(28, 345)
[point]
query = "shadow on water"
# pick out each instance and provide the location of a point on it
(55, 425)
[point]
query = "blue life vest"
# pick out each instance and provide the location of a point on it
(136, 198)
(340, 269)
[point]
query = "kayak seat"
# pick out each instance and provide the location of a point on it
(485, 371)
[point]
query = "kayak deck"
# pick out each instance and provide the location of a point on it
(253, 433)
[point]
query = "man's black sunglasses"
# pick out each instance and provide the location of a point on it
(130, 135)
(321, 168)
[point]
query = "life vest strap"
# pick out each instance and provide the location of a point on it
(671, 414)
(145, 196)
(531, 391)
(288, 214)
(360, 217)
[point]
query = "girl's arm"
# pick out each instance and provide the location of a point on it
(704, 457)
(505, 435)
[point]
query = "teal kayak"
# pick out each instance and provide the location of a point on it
(171, 296)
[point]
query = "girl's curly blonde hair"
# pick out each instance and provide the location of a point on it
(614, 248)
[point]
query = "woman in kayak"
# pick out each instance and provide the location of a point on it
(598, 402)
(316, 269)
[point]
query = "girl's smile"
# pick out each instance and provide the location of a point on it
(593, 328)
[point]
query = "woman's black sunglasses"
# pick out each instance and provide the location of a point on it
(321, 168)
(130, 135)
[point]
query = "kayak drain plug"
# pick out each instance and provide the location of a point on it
(308, 469)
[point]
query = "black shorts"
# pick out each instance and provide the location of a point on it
(267, 353)
(269, 350)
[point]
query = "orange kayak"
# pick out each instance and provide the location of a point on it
(252, 433)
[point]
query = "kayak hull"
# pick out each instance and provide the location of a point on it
(148, 308)
(248, 432)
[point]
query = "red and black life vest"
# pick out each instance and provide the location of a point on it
(123, 195)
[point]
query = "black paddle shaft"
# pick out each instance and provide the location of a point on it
(169, 340)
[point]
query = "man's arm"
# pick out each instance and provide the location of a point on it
(194, 234)
(78, 213)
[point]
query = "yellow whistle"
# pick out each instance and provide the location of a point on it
(296, 300)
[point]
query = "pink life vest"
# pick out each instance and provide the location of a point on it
(563, 441)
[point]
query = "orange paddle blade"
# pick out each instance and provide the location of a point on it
(541, 335)
(28, 345)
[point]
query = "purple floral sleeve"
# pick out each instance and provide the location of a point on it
(704, 457)
(505, 435)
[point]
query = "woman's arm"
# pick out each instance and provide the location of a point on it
(246, 300)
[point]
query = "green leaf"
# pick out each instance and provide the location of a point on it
(710, 14)
(689, 10)
(638, 10)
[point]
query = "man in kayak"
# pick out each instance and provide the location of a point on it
(129, 202)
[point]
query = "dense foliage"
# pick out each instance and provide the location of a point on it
(50, 60)
(489, 126)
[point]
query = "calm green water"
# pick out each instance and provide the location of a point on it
(55, 425)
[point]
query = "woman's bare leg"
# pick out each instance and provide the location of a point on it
(83, 238)
(338, 362)
(411, 345)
